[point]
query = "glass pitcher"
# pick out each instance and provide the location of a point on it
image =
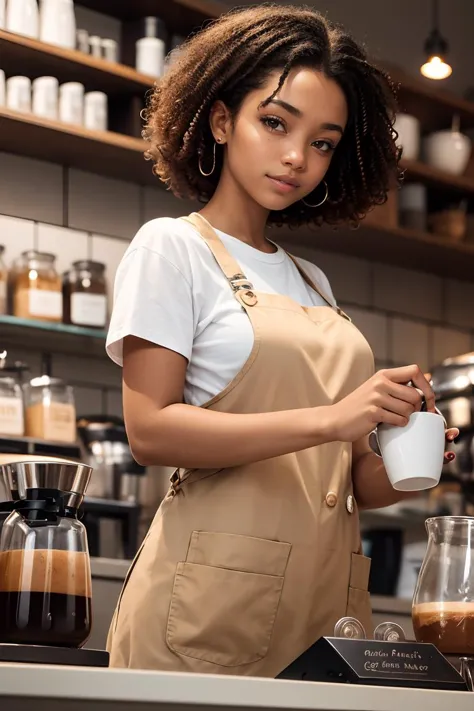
(45, 579)
(443, 603)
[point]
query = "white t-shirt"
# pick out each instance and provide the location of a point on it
(170, 290)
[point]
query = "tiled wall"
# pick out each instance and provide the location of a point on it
(407, 316)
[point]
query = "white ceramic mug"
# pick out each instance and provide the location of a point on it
(22, 17)
(414, 455)
(19, 94)
(408, 129)
(95, 111)
(58, 23)
(448, 150)
(71, 103)
(45, 97)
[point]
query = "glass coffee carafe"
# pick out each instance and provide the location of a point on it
(443, 603)
(45, 579)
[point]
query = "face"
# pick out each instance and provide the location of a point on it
(279, 153)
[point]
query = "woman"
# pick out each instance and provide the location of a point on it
(238, 367)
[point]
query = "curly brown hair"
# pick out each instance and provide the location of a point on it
(235, 54)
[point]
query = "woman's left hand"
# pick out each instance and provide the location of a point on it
(451, 435)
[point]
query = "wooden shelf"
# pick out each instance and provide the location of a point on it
(51, 337)
(102, 152)
(422, 172)
(180, 16)
(400, 247)
(22, 55)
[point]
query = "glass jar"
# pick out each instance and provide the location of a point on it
(3, 282)
(85, 295)
(443, 603)
(37, 287)
(12, 421)
(45, 578)
(50, 410)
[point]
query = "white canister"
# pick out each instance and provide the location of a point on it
(19, 94)
(58, 23)
(448, 150)
(2, 88)
(3, 7)
(45, 97)
(22, 17)
(408, 129)
(95, 44)
(150, 56)
(71, 103)
(109, 50)
(95, 111)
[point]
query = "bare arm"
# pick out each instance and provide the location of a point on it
(163, 430)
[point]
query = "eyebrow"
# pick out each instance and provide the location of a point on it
(296, 112)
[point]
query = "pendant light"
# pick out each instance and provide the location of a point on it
(436, 49)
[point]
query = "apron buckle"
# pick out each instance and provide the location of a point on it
(240, 281)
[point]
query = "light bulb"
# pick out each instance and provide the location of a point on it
(436, 68)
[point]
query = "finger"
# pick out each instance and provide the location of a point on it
(397, 406)
(389, 417)
(407, 394)
(452, 433)
(412, 373)
(449, 456)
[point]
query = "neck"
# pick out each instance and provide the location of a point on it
(233, 211)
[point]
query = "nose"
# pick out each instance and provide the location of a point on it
(295, 158)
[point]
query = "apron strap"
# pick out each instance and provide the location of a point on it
(316, 288)
(225, 260)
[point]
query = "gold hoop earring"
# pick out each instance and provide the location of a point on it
(206, 175)
(322, 201)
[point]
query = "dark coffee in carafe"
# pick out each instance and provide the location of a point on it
(448, 625)
(45, 597)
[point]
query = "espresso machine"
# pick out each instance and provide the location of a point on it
(45, 577)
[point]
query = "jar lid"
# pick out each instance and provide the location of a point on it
(44, 381)
(88, 264)
(34, 254)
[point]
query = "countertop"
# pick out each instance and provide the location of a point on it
(79, 689)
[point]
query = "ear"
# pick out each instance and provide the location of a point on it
(220, 121)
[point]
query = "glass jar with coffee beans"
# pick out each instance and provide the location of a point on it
(85, 295)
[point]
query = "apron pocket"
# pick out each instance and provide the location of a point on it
(225, 598)
(358, 599)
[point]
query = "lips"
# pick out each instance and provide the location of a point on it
(286, 180)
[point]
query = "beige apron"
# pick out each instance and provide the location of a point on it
(244, 568)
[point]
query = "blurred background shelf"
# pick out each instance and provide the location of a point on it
(181, 16)
(50, 337)
(27, 445)
(433, 177)
(23, 55)
(104, 152)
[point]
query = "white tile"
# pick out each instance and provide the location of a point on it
(408, 292)
(16, 236)
(89, 401)
(68, 245)
(31, 189)
(448, 342)
(350, 278)
(104, 205)
(114, 403)
(460, 303)
(373, 326)
(109, 251)
(409, 343)
(158, 202)
(87, 371)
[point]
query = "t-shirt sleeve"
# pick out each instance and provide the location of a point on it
(152, 300)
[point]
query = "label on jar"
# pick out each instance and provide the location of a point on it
(3, 296)
(59, 422)
(88, 309)
(11, 417)
(45, 303)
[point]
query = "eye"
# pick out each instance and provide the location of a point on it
(272, 122)
(324, 146)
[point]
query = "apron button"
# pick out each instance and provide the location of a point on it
(249, 298)
(331, 499)
(350, 503)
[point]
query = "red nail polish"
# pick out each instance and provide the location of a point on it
(451, 456)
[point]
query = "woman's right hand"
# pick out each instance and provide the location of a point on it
(385, 397)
